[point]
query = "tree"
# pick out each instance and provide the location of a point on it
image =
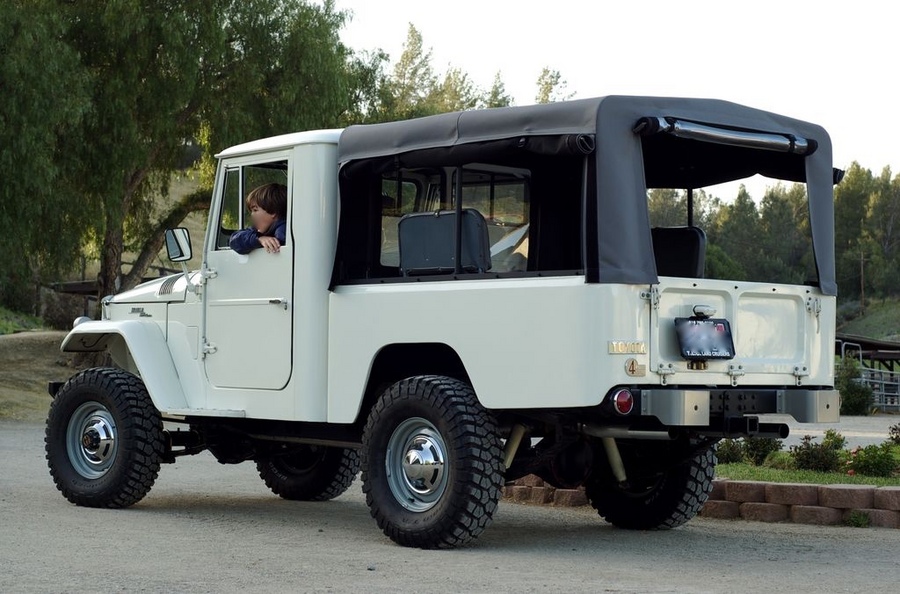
(736, 232)
(551, 87)
(882, 229)
(42, 98)
(407, 92)
(497, 96)
(415, 90)
(667, 207)
(164, 73)
(851, 200)
(456, 92)
(785, 239)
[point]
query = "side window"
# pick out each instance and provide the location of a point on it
(498, 194)
(239, 182)
(231, 217)
(522, 215)
(501, 196)
(398, 198)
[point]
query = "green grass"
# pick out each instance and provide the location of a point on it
(881, 321)
(748, 472)
(11, 322)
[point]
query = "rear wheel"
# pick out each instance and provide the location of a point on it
(432, 468)
(309, 473)
(104, 440)
(656, 502)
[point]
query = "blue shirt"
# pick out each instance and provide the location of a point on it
(247, 240)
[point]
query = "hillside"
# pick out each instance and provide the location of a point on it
(880, 321)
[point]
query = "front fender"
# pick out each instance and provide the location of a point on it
(137, 346)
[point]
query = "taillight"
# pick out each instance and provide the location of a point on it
(623, 401)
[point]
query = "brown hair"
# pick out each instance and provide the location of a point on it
(272, 198)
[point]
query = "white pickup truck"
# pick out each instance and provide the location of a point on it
(462, 300)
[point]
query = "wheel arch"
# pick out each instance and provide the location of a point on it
(398, 361)
(138, 347)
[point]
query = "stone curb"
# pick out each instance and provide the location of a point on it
(825, 505)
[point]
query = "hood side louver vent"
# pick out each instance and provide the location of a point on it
(166, 287)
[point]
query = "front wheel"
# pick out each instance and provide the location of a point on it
(656, 502)
(432, 469)
(104, 441)
(309, 473)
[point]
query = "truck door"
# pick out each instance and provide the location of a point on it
(248, 299)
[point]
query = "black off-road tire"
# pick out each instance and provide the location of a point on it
(431, 418)
(310, 473)
(104, 439)
(667, 502)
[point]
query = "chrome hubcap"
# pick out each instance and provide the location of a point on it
(416, 465)
(91, 440)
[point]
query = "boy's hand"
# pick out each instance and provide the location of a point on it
(270, 244)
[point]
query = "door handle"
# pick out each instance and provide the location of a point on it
(279, 301)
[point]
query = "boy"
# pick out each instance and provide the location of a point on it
(268, 214)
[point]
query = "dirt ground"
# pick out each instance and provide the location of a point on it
(28, 360)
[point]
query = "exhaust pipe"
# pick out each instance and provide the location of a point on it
(624, 433)
(774, 430)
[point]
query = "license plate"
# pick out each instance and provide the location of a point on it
(704, 339)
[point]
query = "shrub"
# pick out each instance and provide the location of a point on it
(756, 449)
(834, 440)
(848, 311)
(730, 451)
(857, 519)
(780, 461)
(809, 455)
(872, 460)
(856, 397)
(894, 434)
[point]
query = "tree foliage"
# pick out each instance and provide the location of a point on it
(415, 89)
(41, 220)
(551, 87)
(129, 92)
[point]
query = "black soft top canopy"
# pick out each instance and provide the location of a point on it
(680, 143)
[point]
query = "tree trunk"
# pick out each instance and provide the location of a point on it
(110, 280)
(193, 202)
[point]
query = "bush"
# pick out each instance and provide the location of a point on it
(780, 461)
(730, 451)
(757, 449)
(58, 310)
(820, 457)
(848, 311)
(894, 434)
(834, 440)
(872, 460)
(856, 397)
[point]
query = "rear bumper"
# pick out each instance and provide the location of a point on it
(696, 408)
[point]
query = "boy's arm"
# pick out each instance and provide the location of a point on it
(244, 241)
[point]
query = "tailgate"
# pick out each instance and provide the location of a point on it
(783, 335)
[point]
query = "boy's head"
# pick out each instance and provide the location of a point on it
(267, 204)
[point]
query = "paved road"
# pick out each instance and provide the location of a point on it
(212, 528)
(859, 431)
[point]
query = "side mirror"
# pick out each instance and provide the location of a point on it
(178, 244)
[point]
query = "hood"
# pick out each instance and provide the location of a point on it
(164, 289)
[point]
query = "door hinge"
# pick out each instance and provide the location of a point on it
(209, 348)
(664, 371)
(652, 296)
(800, 371)
(207, 273)
(735, 371)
